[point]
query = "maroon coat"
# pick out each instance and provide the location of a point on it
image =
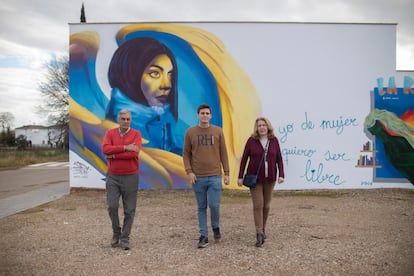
(254, 152)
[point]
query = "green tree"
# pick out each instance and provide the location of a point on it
(55, 91)
(21, 142)
(7, 138)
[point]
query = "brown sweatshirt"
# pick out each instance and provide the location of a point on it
(205, 151)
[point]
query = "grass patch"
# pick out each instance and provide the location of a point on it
(34, 210)
(69, 209)
(19, 158)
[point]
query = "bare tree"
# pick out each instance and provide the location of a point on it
(56, 137)
(55, 90)
(6, 120)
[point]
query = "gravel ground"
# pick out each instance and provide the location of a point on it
(347, 232)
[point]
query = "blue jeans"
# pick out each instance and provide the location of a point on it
(207, 190)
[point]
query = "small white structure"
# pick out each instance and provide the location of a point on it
(40, 136)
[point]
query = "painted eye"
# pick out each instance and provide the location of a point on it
(154, 74)
(170, 75)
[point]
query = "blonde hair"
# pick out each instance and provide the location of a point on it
(270, 130)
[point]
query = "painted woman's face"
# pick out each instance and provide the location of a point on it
(156, 82)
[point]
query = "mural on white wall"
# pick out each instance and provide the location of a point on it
(392, 123)
(306, 78)
(163, 106)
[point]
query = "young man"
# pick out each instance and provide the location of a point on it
(121, 147)
(204, 155)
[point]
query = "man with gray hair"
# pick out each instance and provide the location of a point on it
(121, 147)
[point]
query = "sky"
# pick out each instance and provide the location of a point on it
(34, 31)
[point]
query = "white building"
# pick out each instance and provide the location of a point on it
(40, 136)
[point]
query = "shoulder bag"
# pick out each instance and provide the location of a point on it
(250, 180)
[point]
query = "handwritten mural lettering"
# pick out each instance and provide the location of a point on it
(329, 156)
(284, 131)
(307, 124)
(297, 152)
(339, 124)
(319, 176)
(316, 174)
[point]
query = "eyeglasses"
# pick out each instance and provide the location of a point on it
(125, 119)
(204, 113)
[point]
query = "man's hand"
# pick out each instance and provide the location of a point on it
(226, 180)
(192, 177)
(131, 147)
(110, 156)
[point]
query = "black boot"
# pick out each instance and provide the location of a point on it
(259, 240)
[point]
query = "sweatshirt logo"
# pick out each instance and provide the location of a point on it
(205, 140)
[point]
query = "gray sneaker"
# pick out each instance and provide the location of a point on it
(203, 242)
(217, 235)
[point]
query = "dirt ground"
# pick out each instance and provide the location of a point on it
(347, 232)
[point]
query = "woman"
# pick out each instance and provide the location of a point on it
(143, 77)
(262, 144)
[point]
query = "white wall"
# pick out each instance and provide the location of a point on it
(309, 73)
(38, 136)
(306, 74)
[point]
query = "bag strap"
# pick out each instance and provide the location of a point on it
(263, 156)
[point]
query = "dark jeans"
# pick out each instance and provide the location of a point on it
(125, 186)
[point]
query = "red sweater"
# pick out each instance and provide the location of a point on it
(124, 162)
